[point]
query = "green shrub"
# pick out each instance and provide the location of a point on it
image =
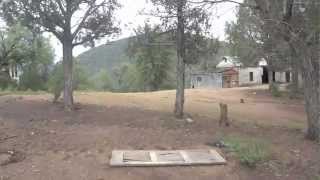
(6, 83)
(55, 83)
(250, 151)
(102, 81)
(274, 88)
(31, 79)
(12, 86)
(56, 80)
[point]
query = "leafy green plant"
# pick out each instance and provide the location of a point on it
(56, 82)
(102, 81)
(275, 90)
(152, 62)
(250, 151)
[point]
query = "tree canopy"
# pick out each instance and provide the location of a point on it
(72, 22)
(152, 60)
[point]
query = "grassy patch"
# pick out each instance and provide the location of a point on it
(250, 151)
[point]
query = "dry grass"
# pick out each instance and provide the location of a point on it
(259, 108)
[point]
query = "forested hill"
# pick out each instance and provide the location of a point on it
(105, 56)
(112, 55)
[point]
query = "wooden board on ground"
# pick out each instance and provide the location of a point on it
(166, 158)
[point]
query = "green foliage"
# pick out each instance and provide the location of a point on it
(55, 83)
(274, 89)
(35, 70)
(106, 57)
(102, 81)
(56, 80)
(29, 53)
(31, 79)
(16, 44)
(250, 151)
(126, 78)
(113, 56)
(15, 49)
(244, 36)
(80, 78)
(96, 18)
(5, 80)
(152, 59)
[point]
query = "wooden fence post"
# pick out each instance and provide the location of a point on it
(224, 115)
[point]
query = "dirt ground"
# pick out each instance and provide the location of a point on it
(51, 144)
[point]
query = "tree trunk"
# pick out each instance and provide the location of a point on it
(294, 91)
(311, 77)
(270, 77)
(224, 120)
(179, 104)
(68, 77)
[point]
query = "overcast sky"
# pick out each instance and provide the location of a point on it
(129, 18)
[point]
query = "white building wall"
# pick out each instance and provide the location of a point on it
(280, 77)
(15, 72)
(244, 76)
(210, 80)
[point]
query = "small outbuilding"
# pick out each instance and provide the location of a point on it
(250, 76)
(230, 78)
(230, 73)
(206, 80)
(226, 78)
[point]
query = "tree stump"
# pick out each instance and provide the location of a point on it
(224, 115)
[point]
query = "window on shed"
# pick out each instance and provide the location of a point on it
(251, 76)
(199, 79)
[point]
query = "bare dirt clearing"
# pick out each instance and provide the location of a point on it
(61, 145)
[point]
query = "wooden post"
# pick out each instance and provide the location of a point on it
(224, 115)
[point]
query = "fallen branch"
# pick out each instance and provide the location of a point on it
(7, 138)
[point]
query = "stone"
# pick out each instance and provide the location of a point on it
(189, 120)
(4, 158)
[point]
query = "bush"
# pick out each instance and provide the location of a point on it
(32, 79)
(274, 88)
(6, 83)
(250, 151)
(102, 81)
(56, 81)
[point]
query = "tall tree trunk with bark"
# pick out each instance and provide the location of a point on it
(311, 77)
(68, 75)
(295, 66)
(270, 73)
(179, 104)
(270, 77)
(295, 89)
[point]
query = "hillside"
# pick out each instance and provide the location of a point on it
(105, 56)
(112, 55)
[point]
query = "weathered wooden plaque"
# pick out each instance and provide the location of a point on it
(122, 158)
